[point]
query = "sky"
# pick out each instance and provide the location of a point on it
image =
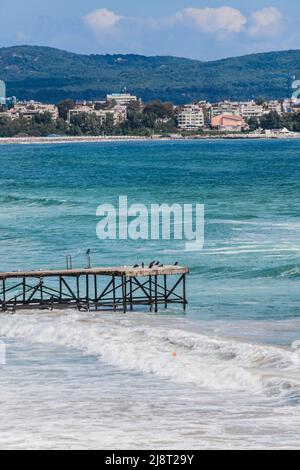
(197, 29)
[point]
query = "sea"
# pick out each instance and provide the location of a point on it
(225, 374)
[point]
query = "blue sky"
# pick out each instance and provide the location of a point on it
(191, 28)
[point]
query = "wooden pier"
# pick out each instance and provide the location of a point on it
(111, 288)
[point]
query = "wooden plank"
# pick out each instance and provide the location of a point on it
(103, 271)
(144, 288)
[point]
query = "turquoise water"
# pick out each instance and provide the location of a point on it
(49, 196)
(234, 344)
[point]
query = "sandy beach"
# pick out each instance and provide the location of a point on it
(99, 139)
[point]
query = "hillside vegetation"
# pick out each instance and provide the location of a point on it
(50, 75)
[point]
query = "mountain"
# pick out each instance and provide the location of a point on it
(49, 75)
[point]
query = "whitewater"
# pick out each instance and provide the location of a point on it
(92, 380)
(224, 375)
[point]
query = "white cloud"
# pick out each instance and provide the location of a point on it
(266, 22)
(101, 20)
(220, 21)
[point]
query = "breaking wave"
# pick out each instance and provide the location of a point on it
(148, 346)
(285, 271)
(32, 201)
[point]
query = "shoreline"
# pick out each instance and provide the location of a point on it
(107, 139)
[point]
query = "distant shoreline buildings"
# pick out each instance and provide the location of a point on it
(222, 116)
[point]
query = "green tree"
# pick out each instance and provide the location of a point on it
(64, 107)
(260, 100)
(159, 110)
(253, 123)
(272, 121)
(42, 118)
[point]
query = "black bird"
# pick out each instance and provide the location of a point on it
(88, 252)
(143, 265)
(151, 264)
(136, 266)
(176, 264)
(161, 265)
(157, 263)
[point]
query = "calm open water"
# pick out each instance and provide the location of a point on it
(110, 381)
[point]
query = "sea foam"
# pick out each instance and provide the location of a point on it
(147, 345)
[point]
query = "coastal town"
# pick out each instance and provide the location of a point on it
(123, 114)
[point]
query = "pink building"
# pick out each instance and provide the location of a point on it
(228, 122)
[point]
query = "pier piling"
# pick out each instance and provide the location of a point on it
(112, 288)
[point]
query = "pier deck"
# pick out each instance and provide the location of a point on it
(103, 288)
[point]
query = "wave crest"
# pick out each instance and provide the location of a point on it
(147, 347)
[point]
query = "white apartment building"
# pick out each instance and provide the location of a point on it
(191, 117)
(85, 109)
(225, 107)
(119, 113)
(287, 105)
(27, 109)
(251, 109)
(273, 106)
(291, 105)
(246, 109)
(122, 99)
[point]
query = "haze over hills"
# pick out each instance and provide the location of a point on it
(49, 75)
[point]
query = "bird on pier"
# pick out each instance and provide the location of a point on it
(176, 264)
(143, 265)
(161, 265)
(88, 254)
(157, 263)
(136, 266)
